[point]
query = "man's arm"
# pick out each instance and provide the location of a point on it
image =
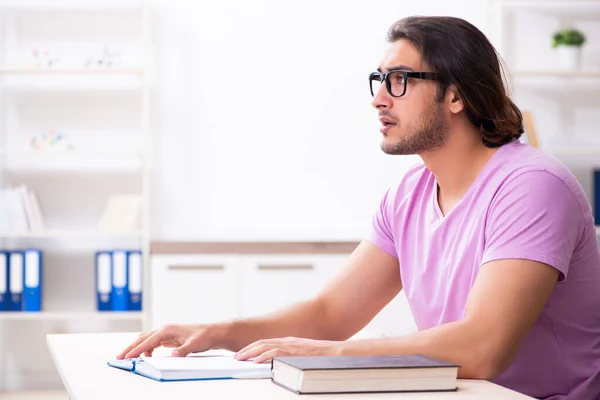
(505, 301)
(368, 282)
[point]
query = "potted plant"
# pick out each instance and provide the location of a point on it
(567, 43)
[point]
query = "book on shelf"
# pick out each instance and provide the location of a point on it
(364, 374)
(20, 210)
(119, 279)
(121, 214)
(193, 367)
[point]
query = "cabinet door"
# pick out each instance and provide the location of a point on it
(271, 282)
(193, 289)
(395, 319)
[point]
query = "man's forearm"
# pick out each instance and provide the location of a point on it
(456, 342)
(307, 319)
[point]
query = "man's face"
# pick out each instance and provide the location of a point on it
(413, 123)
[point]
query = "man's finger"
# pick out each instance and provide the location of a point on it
(150, 343)
(139, 340)
(267, 355)
(253, 352)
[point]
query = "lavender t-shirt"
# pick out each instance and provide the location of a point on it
(524, 204)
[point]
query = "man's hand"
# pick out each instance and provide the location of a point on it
(185, 338)
(266, 349)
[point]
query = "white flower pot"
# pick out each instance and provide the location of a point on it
(569, 57)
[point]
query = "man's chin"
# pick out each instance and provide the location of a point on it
(395, 148)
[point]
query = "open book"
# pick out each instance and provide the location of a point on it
(193, 367)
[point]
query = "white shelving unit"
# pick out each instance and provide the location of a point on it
(564, 103)
(71, 316)
(76, 71)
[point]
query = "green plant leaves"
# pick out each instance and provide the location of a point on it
(568, 37)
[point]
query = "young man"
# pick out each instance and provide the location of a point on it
(492, 241)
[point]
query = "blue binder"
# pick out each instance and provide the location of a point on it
(4, 281)
(103, 280)
(596, 186)
(134, 280)
(32, 293)
(15, 281)
(120, 290)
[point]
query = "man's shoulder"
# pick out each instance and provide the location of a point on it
(526, 163)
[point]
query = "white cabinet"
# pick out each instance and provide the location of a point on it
(271, 282)
(193, 289)
(217, 287)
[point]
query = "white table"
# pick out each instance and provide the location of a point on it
(81, 361)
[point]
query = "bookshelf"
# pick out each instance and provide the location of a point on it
(564, 102)
(71, 316)
(75, 130)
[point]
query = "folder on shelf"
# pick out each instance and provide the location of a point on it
(3, 281)
(134, 272)
(103, 280)
(32, 293)
(120, 296)
(15, 282)
(596, 196)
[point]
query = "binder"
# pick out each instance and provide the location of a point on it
(15, 281)
(134, 272)
(596, 196)
(32, 293)
(120, 291)
(3, 281)
(103, 280)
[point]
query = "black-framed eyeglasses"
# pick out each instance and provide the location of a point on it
(395, 80)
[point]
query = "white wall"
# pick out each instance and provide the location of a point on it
(262, 117)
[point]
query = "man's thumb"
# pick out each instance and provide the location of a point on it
(182, 350)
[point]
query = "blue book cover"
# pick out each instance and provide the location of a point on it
(597, 196)
(135, 279)
(32, 293)
(120, 290)
(104, 281)
(15, 281)
(4, 295)
(193, 367)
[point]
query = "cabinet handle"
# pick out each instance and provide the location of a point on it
(272, 267)
(197, 267)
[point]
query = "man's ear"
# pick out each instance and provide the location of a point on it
(454, 100)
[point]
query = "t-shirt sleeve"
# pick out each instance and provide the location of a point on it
(536, 217)
(381, 233)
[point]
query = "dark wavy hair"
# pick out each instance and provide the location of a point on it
(465, 58)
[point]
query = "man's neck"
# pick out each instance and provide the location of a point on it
(456, 166)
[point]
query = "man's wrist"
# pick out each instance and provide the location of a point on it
(219, 334)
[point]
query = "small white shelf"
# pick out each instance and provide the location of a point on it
(581, 81)
(566, 9)
(70, 315)
(76, 160)
(28, 80)
(574, 152)
(556, 74)
(60, 5)
(71, 71)
(70, 234)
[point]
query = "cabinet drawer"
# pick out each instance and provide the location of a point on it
(193, 289)
(271, 282)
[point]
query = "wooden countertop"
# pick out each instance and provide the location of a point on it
(167, 247)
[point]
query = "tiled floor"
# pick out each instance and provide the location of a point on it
(35, 395)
